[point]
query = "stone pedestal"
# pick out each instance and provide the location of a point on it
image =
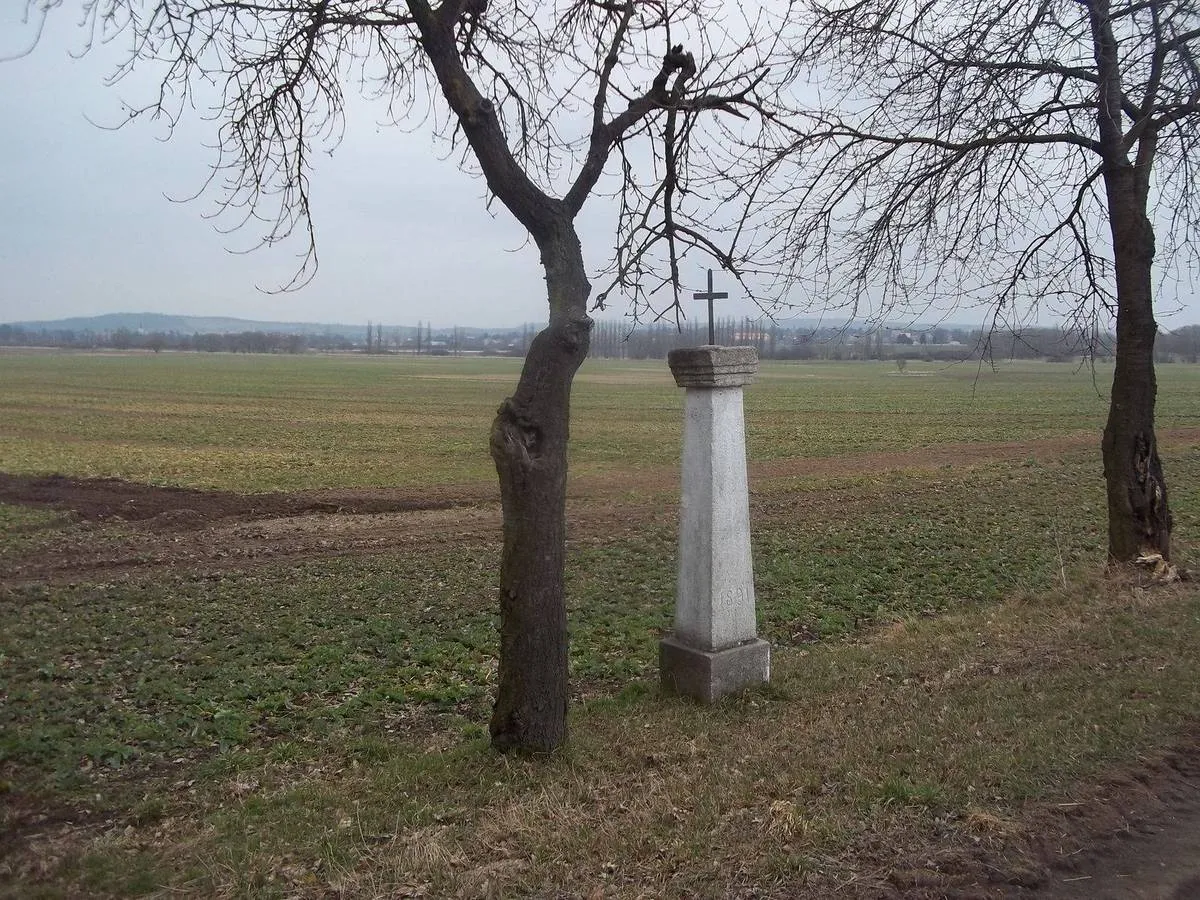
(715, 649)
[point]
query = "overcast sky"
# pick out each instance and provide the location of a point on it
(87, 226)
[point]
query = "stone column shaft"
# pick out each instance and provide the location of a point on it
(714, 649)
(715, 599)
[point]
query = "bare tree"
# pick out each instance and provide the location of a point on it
(537, 96)
(1013, 155)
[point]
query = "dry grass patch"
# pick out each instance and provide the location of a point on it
(906, 760)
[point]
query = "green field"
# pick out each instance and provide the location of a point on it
(254, 423)
(928, 552)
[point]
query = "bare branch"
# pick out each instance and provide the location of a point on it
(956, 157)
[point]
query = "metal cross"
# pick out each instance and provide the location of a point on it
(710, 295)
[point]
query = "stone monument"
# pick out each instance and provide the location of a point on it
(715, 649)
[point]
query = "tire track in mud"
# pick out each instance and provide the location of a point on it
(129, 529)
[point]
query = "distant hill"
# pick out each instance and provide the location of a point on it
(148, 322)
(160, 322)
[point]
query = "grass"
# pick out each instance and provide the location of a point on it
(945, 650)
(23, 529)
(249, 423)
(255, 423)
(159, 666)
(945, 726)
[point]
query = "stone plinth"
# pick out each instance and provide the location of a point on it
(715, 649)
(713, 367)
(709, 675)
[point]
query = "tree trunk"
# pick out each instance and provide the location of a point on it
(529, 447)
(1139, 520)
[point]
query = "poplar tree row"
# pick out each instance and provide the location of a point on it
(621, 340)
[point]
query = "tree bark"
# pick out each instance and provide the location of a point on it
(1139, 519)
(529, 447)
(529, 434)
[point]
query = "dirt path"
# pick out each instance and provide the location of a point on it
(184, 529)
(1159, 860)
(131, 529)
(1137, 837)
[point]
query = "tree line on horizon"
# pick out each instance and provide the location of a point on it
(617, 339)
